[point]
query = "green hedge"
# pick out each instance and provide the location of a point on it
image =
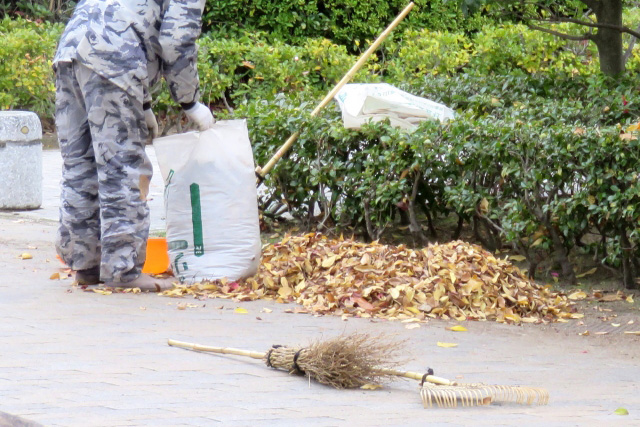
(26, 52)
(547, 190)
(347, 22)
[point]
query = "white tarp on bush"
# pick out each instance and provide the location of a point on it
(364, 102)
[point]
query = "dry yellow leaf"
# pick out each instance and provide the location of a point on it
(610, 298)
(365, 260)
(513, 317)
(483, 206)
(241, 310)
(633, 127)
(579, 295)
(285, 292)
(537, 242)
(328, 262)
(630, 299)
(371, 387)
(414, 310)
(412, 326)
(587, 273)
(457, 328)
(446, 344)
(632, 332)
(26, 255)
(55, 276)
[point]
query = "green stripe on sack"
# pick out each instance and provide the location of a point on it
(196, 218)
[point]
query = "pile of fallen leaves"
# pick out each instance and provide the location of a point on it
(456, 280)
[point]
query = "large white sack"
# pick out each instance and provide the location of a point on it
(364, 102)
(211, 204)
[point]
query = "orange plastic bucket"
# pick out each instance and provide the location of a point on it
(157, 256)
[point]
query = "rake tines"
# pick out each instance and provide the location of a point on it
(449, 396)
(445, 396)
(443, 393)
(517, 394)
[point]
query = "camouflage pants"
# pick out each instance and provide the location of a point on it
(104, 217)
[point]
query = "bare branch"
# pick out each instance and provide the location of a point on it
(591, 4)
(620, 28)
(632, 43)
(226, 103)
(565, 36)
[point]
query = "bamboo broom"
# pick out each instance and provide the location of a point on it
(356, 360)
(261, 172)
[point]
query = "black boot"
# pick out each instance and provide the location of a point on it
(90, 276)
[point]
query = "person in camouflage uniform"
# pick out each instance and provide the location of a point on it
(110, 54)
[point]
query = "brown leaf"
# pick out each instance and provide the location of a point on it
(363, 303)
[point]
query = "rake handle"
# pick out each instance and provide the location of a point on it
(416, 376)
(263, 171)
(219, 350)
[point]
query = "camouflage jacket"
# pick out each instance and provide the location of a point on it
(135, 42)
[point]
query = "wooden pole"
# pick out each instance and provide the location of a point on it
(219, 350)
(261, 172)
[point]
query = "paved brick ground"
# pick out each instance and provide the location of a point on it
(74, 358)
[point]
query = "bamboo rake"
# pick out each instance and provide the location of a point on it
(261, 172)
(348, 362)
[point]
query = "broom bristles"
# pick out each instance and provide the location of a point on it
(341, 362)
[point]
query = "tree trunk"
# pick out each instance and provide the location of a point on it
(419, 239)
(629, 271)
(609, 40)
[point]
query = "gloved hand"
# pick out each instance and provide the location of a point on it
(201, 116)
(152, 123)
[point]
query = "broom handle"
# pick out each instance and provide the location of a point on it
(416, 376)
(262, 172)
(260, 355)
(219, 350)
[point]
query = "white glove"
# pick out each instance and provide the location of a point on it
(201, 116)
(152, 123)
